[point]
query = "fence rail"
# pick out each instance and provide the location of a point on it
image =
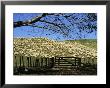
(43, 64)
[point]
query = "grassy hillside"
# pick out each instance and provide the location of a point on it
(92, 43)
(42, 47)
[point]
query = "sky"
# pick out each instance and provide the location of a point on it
(29, 31)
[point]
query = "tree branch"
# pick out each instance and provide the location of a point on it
(50, 23)
(29, 22)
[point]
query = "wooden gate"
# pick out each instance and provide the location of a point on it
(65, 62)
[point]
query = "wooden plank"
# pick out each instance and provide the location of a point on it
(70, 57)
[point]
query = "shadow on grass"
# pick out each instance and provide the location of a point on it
(83, 70)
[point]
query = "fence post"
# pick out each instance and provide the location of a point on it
(41, 62)
(15, 62)
(79, 62)
(32, 62)
(23, 61)
(54, 59)
(75, 61)
(58, 61)
(92, 61)
(46, 62)
(36, 62)
(51, 63)
(28, 61)
(84, 61)
(20, 61)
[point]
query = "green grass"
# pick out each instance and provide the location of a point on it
(49, 48)
(92, 43)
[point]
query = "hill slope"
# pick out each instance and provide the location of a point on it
(42, 47)
(92, 43)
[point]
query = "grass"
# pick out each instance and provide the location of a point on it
(48, 48)
(43, 47)
(92, 43)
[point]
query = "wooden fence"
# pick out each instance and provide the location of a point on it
(23, 61)
(27, 62)
(64, 62)
(35, 65)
